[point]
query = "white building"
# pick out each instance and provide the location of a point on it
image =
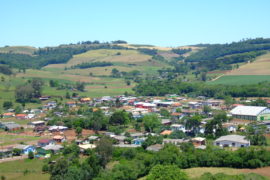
(232, 141)
(251, 112)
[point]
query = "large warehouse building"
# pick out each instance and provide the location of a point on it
(251, 112)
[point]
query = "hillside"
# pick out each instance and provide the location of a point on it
(261, 66)
(248, 73)
(18, 49)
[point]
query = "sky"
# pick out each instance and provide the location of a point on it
(167, 23)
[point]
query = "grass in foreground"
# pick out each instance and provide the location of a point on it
(23, 170)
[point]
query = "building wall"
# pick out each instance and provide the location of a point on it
(230, 144)
(263, 117)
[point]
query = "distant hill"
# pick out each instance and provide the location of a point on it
(18, 49)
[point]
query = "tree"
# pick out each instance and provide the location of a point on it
(194, 123)
(115, 73)
(119, 118)
(255, 133)
(7, 104)
(206, 109)
(24, 93)
(166, 172)
(78, 131)
(80, 86)
(128, 82)
(228, 101)
(18, 109)
(203, 76)
(16, 152)
(151, 122)
(37, 84)
(104, 149)
(164, 112)
(31, 155)
(67, 95)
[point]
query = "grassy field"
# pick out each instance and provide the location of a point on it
(108, 55)
(7, 139)
(197, 172)
(241, 79)
(261, 66)
(16, 170)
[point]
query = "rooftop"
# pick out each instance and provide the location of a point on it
(248, 110)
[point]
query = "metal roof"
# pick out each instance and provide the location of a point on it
(248, 110)
(233, 138)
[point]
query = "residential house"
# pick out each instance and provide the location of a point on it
(8, 115)
(232, 141)
(138, 141)
(45, 142)
(166, 122)
(10, 126)
(25, 149)
(198, 141)
(178, 127)
(37, 123)
(55, 148)
(59, 139)
(232, 128)
(174, 141)
(57, 128)
(21, 116)
(155, 147)
(71, 104)
(84, 147)
(166, 132)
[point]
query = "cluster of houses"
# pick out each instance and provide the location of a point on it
(178, 107)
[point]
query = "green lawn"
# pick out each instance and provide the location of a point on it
(241, 79)
(14, 170)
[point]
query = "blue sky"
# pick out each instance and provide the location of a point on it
(165, 23)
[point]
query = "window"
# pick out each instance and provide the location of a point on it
(233, 144)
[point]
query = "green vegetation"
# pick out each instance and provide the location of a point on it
(241, 79)
(91, 65)
(163, 87)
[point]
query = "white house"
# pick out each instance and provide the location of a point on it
(232, 141)
(178, 127)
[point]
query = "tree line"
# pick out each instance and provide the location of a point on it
(163, 87)
(91, 65)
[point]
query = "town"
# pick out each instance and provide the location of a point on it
(131, 122)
